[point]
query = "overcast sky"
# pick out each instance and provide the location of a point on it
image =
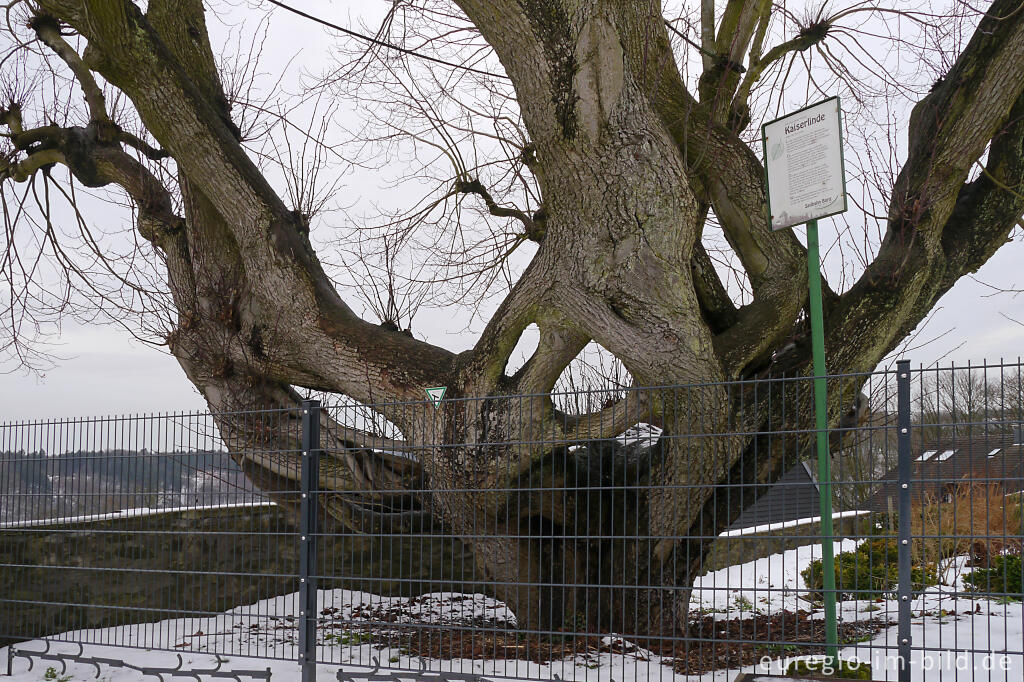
(105, 372)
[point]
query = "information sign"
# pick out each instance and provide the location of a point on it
(803, 154)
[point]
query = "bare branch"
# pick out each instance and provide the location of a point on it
(534, 230)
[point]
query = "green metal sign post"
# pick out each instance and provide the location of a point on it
(828, 565)
(803, 153)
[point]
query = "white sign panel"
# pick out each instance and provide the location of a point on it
(803, 154)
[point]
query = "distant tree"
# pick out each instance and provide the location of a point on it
(968, 402)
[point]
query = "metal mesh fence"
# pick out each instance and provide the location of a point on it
(141, 532)
(543, 555)
(643, 533)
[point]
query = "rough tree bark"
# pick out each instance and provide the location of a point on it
(629, 163)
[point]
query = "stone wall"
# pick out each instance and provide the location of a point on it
(56, 578)
(170, 565)
(739, 549)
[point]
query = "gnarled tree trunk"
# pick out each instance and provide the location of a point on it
(629, 164)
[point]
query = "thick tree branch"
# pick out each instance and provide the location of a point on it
(758, 65)
(352, 437)
(151, 152)
(952, 125)
(988, 208)
(728, 176)
(740, 20)
(717, 305)
(362, 518)
(611, 420)
(366, 361)
(371, 484)
(533, 40)
(95, 162)
(940, 228)
(19, 171)
(48, 30)
(559, 345)
(11, 117)
(182, 29)
(534, 230)
(707, 33)
(482, 369)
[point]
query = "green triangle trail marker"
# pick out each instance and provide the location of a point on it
(436, 394)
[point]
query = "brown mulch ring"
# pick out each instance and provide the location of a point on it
(710, 645)
(745, 641)
(439, 644)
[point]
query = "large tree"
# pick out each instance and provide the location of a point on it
(623, 147)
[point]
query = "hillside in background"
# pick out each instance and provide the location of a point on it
(38, 486)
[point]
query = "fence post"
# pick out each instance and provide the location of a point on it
(903, 592)
(307, 537)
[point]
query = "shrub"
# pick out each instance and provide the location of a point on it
(872, 570)
(1003, 576)
(51, 675)
(980, 520)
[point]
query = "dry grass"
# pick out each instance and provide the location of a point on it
(980, 520)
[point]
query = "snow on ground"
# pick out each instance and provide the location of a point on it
(268, 628)
(642, 435)
(769, 584)
(965, 638)
(953, 636)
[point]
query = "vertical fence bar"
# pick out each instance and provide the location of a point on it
(904, 456)
(307, 538)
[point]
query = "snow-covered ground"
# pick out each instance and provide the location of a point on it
(964, 638)
(766, 585)
(953, 636)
